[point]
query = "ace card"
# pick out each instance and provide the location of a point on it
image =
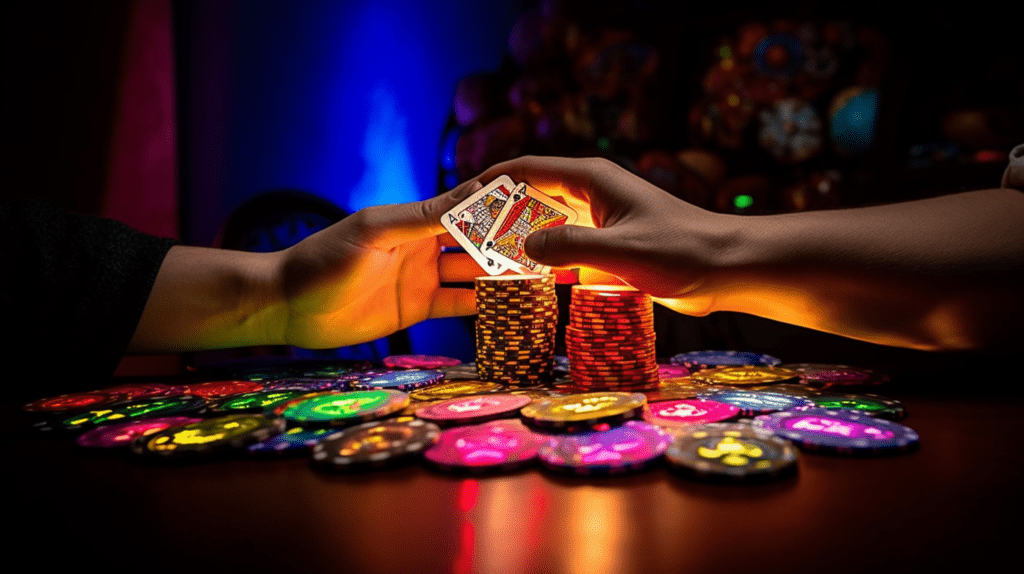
(470, 221)
(526, 210)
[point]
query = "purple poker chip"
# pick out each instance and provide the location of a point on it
(632, 446)
(419, 361)
(753, 403)
(307, 384)
(121, 435)
(708, 359)
(847, 432)
(500, 445)
(561, 364)
(688, 412)
(672, 371)
(474, 409)
(398, 380)
(294, 441)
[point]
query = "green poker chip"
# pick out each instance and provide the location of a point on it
(343, 409)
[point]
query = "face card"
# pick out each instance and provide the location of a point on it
(527, 210)
(470, 221)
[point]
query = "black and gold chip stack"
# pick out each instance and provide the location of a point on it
(515, 328)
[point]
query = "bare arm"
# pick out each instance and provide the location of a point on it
(937, 274)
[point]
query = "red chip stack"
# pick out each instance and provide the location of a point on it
(610, 339)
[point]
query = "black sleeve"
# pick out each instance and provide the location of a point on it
(73, 290)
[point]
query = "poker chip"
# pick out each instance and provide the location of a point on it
(461, 372)
(824, 376)
(399, 380)
(307, 384)
(698, 360)
(846, 432)
(734, 452)
(688, 412)
(452, 389)
(74, 402)
(871, 405)
(792, 389)
(631, 446)
(208, 438)
(342, 409)
(136, 391)
(120, 435)
(670, 371)
(220, 389)
(124, 412)
(473, 409)
(419, 362)
(374, 444)
(743, 376)
(752, 403)
(583, 411)
(257, 402)
(610, 339)
(292, 442)
(515, 329)
(496, 446)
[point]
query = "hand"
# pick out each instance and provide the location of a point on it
(375, 272)
(628, 229)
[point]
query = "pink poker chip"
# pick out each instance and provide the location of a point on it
(672, 371)
(687, 412)
(121, 435)
(419, 362)
(494, 446)
(473, 408)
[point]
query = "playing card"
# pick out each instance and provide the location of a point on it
(470, 221)
(527, 210)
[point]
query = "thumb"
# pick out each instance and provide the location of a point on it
(572, 246)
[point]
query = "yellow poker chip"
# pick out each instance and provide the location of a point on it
(588, 408)
(454, 389)
(743, 376)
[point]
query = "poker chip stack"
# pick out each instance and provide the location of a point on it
(515, 328)
(610, 339)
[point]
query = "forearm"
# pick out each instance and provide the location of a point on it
(212, 298)
(942, 273)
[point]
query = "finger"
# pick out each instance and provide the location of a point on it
(447, 240)
(449, 302)
(458, 268)
(573, 246)
(387, 226)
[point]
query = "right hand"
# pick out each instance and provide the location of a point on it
(628, 229)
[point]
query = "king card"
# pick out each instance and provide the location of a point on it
(527, 210)
(470, 221)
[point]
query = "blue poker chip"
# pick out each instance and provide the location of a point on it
(561, 364)
(846, 432)
(752, 403)
(708, 359)
(295, 441)
(398, 380)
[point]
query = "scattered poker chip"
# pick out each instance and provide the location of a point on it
(687, 412)
(220, 389)
(452, 389)
(871, 405)
(497, 446)
(209, 437)
(753, 403)
(294, 441)
(735, 452)
(794, 389)
(473, 409)
(342, 409)
(419, 362)
(631, 446)
(825, 376)
(561, 364)
(136, 391)
(74, 402)
(743, 376)
(374, 444)
(517, 316)
(582, 411)
(399, 380)
(708, 359)
(256, 402)
(307, 384)
(120, 435)
(124, 412)
(847, 432)
(672, 371)
(460, 372)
